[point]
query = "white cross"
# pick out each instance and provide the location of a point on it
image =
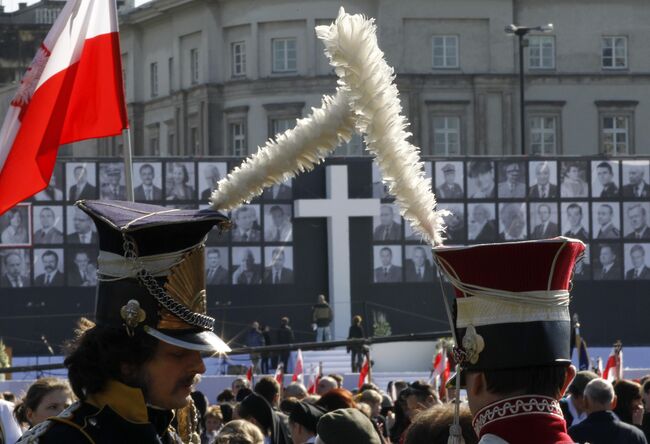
(338, 208)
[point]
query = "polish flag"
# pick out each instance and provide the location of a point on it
(614, 365)
(364, 373)
(72, 91)
(249, 374)
(297, 371)
(441, 371)
(279, 374)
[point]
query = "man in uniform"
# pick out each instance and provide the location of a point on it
(141, 360)
(513, 332)
(449, 188)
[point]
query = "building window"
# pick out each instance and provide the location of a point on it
(154, 146)
(543, 135)
(194, 66)
(170, 73)
(541, 52)
(195, 140)
(445, 51)
(614, 55)
(237, 138)
(615, 134)
(239, 59)
(446, 135)
(284, 55)
(153, 78)
(171, 143)
(280, 125)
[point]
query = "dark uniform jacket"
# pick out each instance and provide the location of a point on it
(606, 428)
(117, 415)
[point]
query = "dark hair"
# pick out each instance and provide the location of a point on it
(422, 391)
(35, 394)
(626, 393)
(284, 320)
(386, 249)
(276, 209)
(478, 167)
(369, 386)
(432, 426)
(574, 205)
(226, 412)
(225, 396)
(338, 398)
(186, 174)
(9, 396)
(646, 384)
(637, 247)
(242, 393)
(541, 380)
(268, 388)
(607, 166)
(582, 378)
(147, 165)
(50, 253)
(97, 353)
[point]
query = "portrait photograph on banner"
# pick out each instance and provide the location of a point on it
(387, 263)
(246, 265)
(81, 180)
(147, 182)
(16, 227)
(48, 224)
(15, 268)
(54, 190)
(180, 181)
(278, 265)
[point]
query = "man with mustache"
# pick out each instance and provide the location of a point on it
(134, 370)
(51, 276)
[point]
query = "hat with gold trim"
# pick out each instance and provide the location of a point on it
(151, 272)
(511, 307)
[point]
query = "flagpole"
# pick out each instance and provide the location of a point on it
(128, 164)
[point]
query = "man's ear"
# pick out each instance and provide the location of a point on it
(569, 374)
(614, 402)
(476, 383)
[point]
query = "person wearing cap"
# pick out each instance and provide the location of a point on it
(512, 186)
(346, 426)
(256, 409)
(303, 422)
(573, 405)
(513, 331)
(137, 365)
(449, 188)
(112, 189)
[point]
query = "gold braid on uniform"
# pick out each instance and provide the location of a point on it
(188, 424)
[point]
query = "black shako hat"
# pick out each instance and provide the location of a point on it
(151, 271)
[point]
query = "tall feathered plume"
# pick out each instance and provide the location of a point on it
(351, 45)
(295, 151)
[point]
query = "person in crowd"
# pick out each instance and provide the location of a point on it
(147, 190)
(325, 384)
(10, 431)
(46, 397)
(321, 316)
(338, 378)
(239, 431)
(16, 232)
(269, 389)
(48, 233)
(255, 338)
(645, 392)
(228, 411)
(226, 395)
(256, 409)
(238, 384)
(139, 354)
(295, 390)
(213, 423)
(8, 396)
(629, 402)
(499, 367)
(602, 425)
(573, 405)
(347, 425)
(605, 175)
(201, 404)
(432, 426)
(337, 398)
(285, 337)
(357, 350)
(178, 187)
(266, 362)
(373, 399)
(572, 183)
(420, 396)
(401, 421)
(303, 422)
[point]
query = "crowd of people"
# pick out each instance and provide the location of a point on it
(595, 410)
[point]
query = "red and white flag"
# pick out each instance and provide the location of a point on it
(440, 372)
(313, 380)
(279, 374)
(298, 370)
(614, 365)
(365, 371)
(249, 374)
(72, 91)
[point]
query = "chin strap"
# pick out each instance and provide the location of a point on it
(455, 432)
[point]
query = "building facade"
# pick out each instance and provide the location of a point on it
(220, 77)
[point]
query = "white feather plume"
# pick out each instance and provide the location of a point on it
(351, 45)
(295, 151)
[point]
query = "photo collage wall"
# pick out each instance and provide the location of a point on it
(48, 242)
(603, 202)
